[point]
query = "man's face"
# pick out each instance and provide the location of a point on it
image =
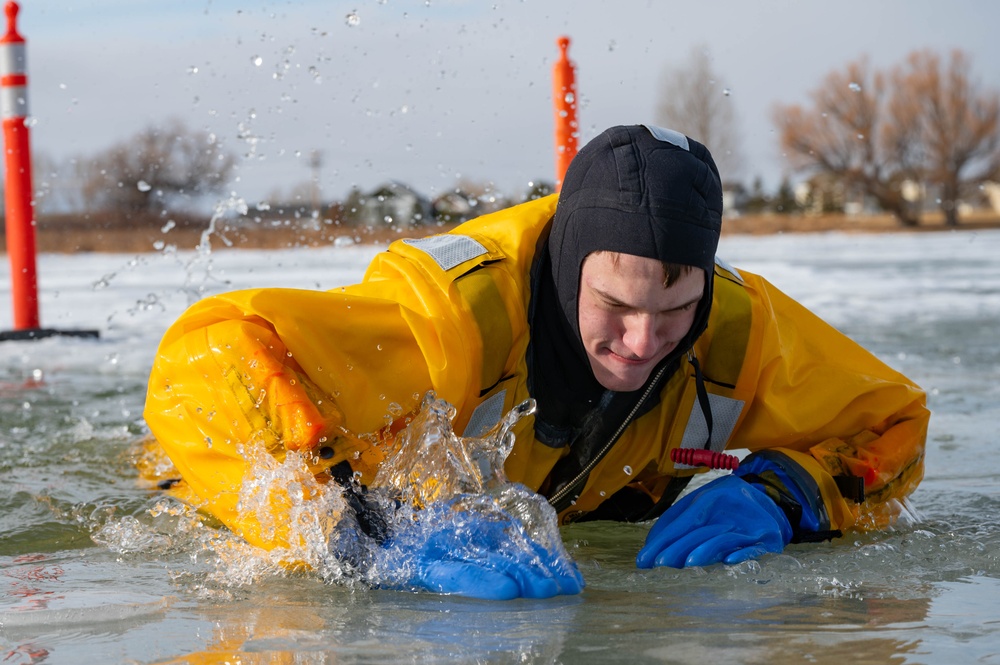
(628, 320)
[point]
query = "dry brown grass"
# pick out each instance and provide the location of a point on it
(73, 234)
(69, 235)
(768, 224)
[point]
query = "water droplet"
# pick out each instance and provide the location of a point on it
(192, 70)
(378, 346)
(143, 186)
(627, 470)
(727, 92)
(353, 20)
(854, 86)
(257, 61)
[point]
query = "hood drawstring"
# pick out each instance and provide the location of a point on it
(706, 406)
(677, 484)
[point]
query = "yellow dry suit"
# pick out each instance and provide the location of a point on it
(331, 375)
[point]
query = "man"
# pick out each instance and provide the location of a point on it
(610, 309)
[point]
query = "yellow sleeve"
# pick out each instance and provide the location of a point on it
(292, 370)
(328, 375)
(833, 407)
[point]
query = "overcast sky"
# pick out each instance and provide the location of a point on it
(426, 92)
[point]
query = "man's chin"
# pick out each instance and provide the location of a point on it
(622, 383)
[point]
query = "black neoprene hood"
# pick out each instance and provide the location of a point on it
(638, 190)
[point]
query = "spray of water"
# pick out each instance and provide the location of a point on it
(435, 487)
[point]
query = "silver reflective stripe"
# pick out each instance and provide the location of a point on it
(13, 102)
(722, 263)
(448, 250)
(12, 58)
(725, 412)
(486, 415)
(670, 136)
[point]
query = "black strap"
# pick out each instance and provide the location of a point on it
(851, 488)
(706, 406)
(371, 521)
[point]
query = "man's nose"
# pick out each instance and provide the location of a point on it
(641, 336)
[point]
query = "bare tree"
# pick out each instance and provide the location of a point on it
(959, 124)
(923, 124)
(158, 168)
(693, 102)
(842, 136)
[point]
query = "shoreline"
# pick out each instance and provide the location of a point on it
(75, 238)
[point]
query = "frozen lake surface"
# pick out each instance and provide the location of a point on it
(96, 569)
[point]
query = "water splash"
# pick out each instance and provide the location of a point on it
(433, 482)
(430, 463)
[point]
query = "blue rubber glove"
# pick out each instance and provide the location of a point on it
(489, 555)
(727, 520)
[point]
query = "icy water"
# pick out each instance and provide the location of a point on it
(94, 568)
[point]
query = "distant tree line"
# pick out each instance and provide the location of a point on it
(924, 130)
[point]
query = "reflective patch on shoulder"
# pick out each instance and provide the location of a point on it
(725, 412)
(448, 250)
(670, 136)
(486, 415)
(722, 263)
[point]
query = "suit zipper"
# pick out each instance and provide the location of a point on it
(561, 494)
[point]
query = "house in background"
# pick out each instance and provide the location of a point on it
(394, 204)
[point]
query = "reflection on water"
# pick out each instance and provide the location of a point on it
(94, 568)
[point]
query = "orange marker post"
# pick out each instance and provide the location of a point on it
(20, 194)
(564, 99)
(19, 209)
